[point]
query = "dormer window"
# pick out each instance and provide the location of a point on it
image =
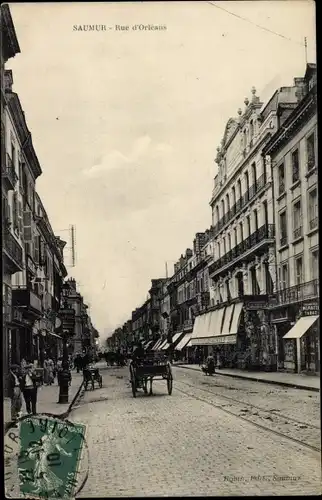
(251, 128)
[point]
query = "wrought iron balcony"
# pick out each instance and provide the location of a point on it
(9, 176)
(265, 232)
(297, 233)
(310, 163)
(298, 293)
(27, 299)
(313, 224)
(241, 203)
(13, 253)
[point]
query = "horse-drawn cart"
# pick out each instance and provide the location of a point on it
(151, 367)
(92, 375)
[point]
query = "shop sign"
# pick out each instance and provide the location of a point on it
(310, 309)
(256, 305)
(279, 316)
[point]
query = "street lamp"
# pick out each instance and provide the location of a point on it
(65, 375)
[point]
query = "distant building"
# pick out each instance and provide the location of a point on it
(294, 163)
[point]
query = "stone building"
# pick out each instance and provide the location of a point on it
(242, 270)
(12, 250)
(294, 162)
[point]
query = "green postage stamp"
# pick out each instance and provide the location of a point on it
(50, 456)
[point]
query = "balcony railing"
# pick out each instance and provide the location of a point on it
(13, 249)
(267, 231)
(314, 223)
(241, 203)
(310, 163)
(298, 293)
(297, 233)
(9, 174)
(24, 297)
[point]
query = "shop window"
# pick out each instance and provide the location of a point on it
(283, 229)
(295, 166)
(313, 209)
(310, 152)
(281, 179)
(297, 220)
(298, 271)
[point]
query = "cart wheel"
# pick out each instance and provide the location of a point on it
(133, 382)
(169, 380)
(93, 385)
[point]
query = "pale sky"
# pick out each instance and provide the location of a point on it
(130, 160)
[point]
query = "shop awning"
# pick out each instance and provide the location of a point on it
(301, 327)
(209, 328)
(156, 344)
(236, 318)
(228, 316)
(176, 336)
(189, 344)
(149, 344)
(160, 347)
(183, 342)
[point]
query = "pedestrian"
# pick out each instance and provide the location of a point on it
(29, 388)
(15, 392)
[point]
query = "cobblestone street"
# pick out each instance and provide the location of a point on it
(183, 445)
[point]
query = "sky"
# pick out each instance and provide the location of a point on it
(126, 124)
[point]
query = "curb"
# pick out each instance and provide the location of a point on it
(255, 379)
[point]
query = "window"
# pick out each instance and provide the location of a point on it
(235, 236)
(313, 209)
(248, 225)
(247, 186)
(298, 271)
(229, 242)
(297, 220)
(284, 276)
(217, 213)
(233, 195)
(224, 246)
(239, 189)
(254, 174)
(256, 219)
(13, 155)
(315, 264)
(241, 231)
(295, 166)
(283, 229)
(310, 152)
(254, 283)
(227, 202)
(251, 128)
(281, 179)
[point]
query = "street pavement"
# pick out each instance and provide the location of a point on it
(191, 443)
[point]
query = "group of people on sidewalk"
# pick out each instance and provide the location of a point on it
(25, 379)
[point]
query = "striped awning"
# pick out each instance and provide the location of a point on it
(183, 342)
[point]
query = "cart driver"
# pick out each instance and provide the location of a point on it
(138, 352)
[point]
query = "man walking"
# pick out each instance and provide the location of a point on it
(15, 392)
(29, 389)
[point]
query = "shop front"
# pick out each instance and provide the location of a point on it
(298, 339)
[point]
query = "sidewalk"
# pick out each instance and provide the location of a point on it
(308, 382)
(47, 401)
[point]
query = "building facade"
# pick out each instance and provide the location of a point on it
(242, 270)
(294, 162)
(12, 250)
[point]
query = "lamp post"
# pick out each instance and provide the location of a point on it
(65, 375)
